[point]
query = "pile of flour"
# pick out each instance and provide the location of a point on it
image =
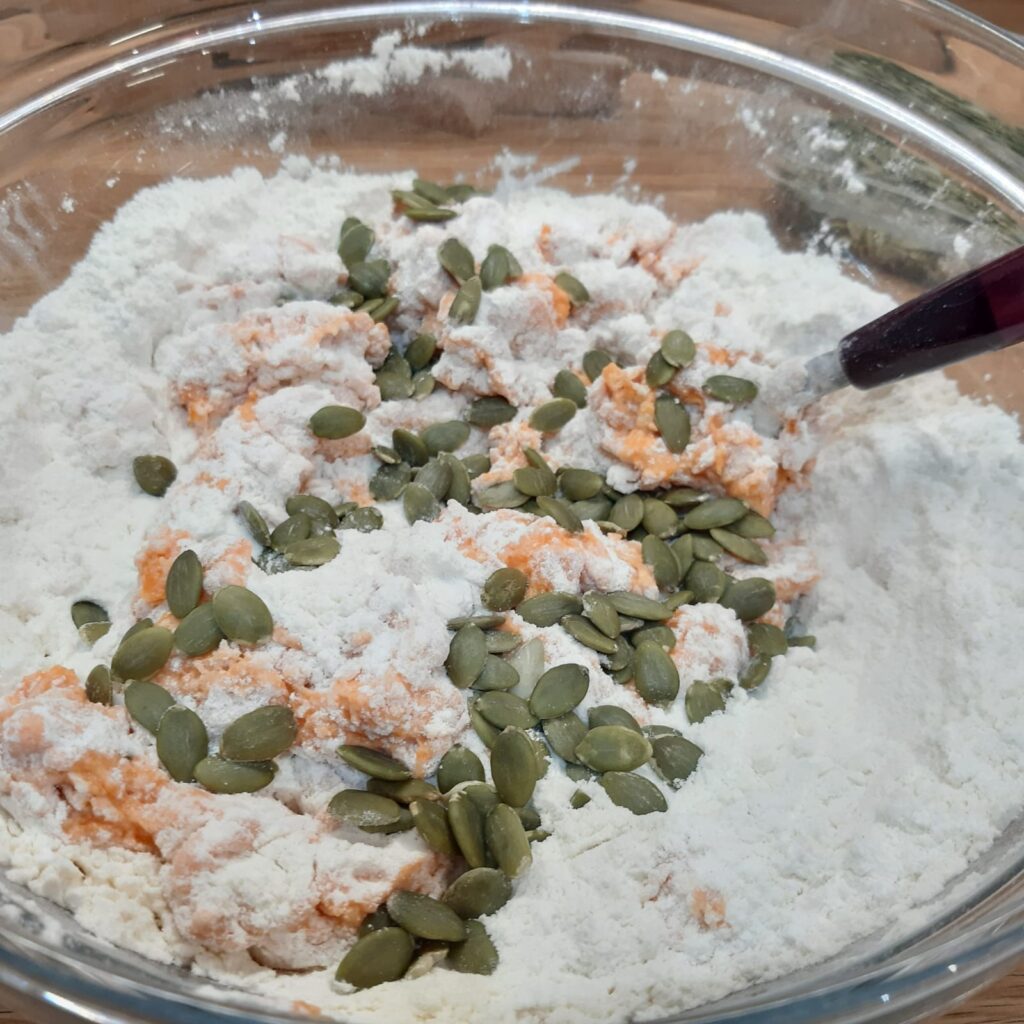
(851, 787)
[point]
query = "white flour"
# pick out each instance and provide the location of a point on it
(848, 788)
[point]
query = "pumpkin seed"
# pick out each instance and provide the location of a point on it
(316, 508)
(84, 613)
(436, 476)
(426, 960)
(586, 633)
(659, 371)
(673, 423)
(703, 699)
(766, 639)
(98, 686)
(431, 822)
(634, 792)
(502, 643)
(579, 799)
(504, 589)
(682, 551)
(505, 709)
(423, 384)
(683, 497)
(419, 504)
(445, 437)
(146, 703)
(623, 656)
(374, 922)
(496, 268)
(143, 654)
(655, 674)
(559, 690)
(488, 733)
(663, 636)
(658, 555)
(753, 526)
(476, 955)
(92, 631)
(429, 214)
(705, 549)
(347, 298)
(750, 598)
(548, 608)
(611, 714)
(562, 514)
(602, 614)
(550, 417)
(394, 387)
(336, 421)
(714, 513)
(404, 824)
(371, 306)
(459, 489)
(241, 615)
(466, 303)
(580, 484)
(376, 958)
(496, 675)
(567, 385)
(219, 776)
(434, 194)
(421, 351)
(459, 764)
(613, 748)
(593, 508)
(482, 794)
(756, 672)
(478, 892)
(296, 527)
(564, 734)
(355, 243)
(542, 759)
(366, 811)
(803, 641)
(507, 840)
(388, 482)
(154, 473)
(487, 621)
(706, 582)
(364, 520)
(313, 551)
(198, 633)
(740, 547)
(457, 260)
(259, 735)
(467, 825)
(370, 278)
(678, 348)
(533, 481)
(595, 361)
(490, 411)
(181, 742)
(638, 607)
(462, 191)
(572, 287)
(404, 792)
(578, 773)
(659, 518)
(628, 512)
(514, 767)
(503, 495)
(368, 761)
(727, 388)
(675, 758)
(467, 654)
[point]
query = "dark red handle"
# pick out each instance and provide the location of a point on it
(980, 311)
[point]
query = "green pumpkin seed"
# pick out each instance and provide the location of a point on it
(355, 242)
(579, 799)
(365, 811)
(658, 555)
(466, 303)
(750, 598)
(368, 761)
(673, 423)
(423, 384)
(502, 643)
(389, 481)
(586, 633)
(756, 672)
(377, 958)
(514, 767)
(766, 639)
(611, 714)
(663, 636)
(146, 703)
(394, 387)
(98, 686)
(198, 633)
(313, 551)
(504, 709)
(476, 955)
(659, 518)
(676, 601)
(803, 641)
(259, 735)
(431, 822)
(659, 371)
(595, 361)
(727, 388)
(428, 957)
(296, 527)
(678, 349)
(528, 661)
(706, 582)
(559, 690)
(462, 191)
(683, 497)
(580, 484)
(596, 509)
(136, 627)
(336, 421)
(548, 608)
(638, 607)
(703, 699)
(241, 615)
(567, 385)
(370, 278)
(705, 549)
(143, 654)
(467, 654)
(379, 309)
(347, 298)
(564, 734)
(467, 825)
(633, 792)
(533, 481)
(496, 268)
(459, 489)
(714, 513)
(572, 287)
(613, 748)
(503, 495)
(421, 351)
(577, 773)
(675, 758)
(403, 824)
(457, 260)
(429, 214)
(562, 514)
(374, 922)
(753, 526)
(478, 892)
(655, 674)
(436, 476)
(84, 613)
(363, 520)
(316, 508)
(154, 473)
(507, 840)
(628, 512)
(602, 614)
(445, 437)
(181, 742)
(488, 733)
(487, 621)
(404, 792)
(459, 764)
(740, 547)
(551, 416)
(435, 195)
(419, 504)
(504, 589)
(230, 777)
(496, 675)
(383, 454)
(682, 550)
(92, 631)
(483, 795)
(490, 411)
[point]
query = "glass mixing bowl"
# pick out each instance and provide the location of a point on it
(882, 131)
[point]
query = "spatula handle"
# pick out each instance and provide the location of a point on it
(980, 311)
